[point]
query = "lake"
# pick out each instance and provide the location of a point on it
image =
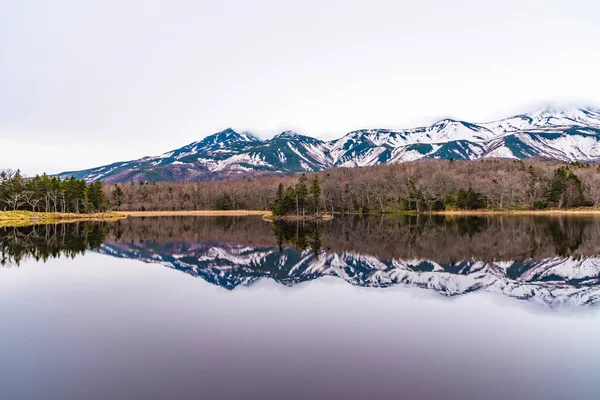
(410, 307)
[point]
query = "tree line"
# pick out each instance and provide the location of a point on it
(50, 194)
(426, 185)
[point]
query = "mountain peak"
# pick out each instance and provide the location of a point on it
(287, 135)
(224, 133)
(229, 135)
(564, 110)
(446, 121)
(566, 115)
(227, 131)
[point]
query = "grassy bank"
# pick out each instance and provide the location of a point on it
(24, 218)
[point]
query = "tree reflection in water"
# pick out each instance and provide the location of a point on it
(555, 259)
(42, 242)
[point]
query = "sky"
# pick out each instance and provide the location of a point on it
(86, 83)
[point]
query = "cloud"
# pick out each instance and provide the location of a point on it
(97, 82)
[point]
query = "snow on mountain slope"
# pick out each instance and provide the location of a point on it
(448, 130)
(566, 145)
(500, 151)
(225, 141)
(566, 134)
(369, 147)
(510, 125)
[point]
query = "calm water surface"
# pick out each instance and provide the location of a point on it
(237, 308)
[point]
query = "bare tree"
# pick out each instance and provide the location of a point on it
(15, 200)
(31, 199)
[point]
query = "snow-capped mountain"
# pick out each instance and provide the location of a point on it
(566, 134)
(573, 281)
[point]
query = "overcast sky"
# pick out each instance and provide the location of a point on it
(85, 83)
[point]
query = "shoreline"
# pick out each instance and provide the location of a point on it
(26, 218)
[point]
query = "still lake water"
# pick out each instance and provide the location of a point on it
(356, 308)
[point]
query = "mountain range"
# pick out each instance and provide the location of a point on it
(565, 134)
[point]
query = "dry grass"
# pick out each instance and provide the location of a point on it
(24, 218)
(197, 213)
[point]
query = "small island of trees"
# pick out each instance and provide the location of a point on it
(299, 200)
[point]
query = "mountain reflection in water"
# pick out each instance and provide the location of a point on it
(554, 260)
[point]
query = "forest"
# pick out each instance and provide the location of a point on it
(429, 185)
(50, 194)
(420, 186)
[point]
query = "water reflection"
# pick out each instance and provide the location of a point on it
(42, 242)
(549, 260)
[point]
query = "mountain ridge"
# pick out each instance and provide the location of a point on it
(565, 134)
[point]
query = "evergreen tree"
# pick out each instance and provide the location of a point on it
(301, 192)
(315, 195)
(117, 196)
(470, 199)
(565, 189)
(97, 200)
(285, 203)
